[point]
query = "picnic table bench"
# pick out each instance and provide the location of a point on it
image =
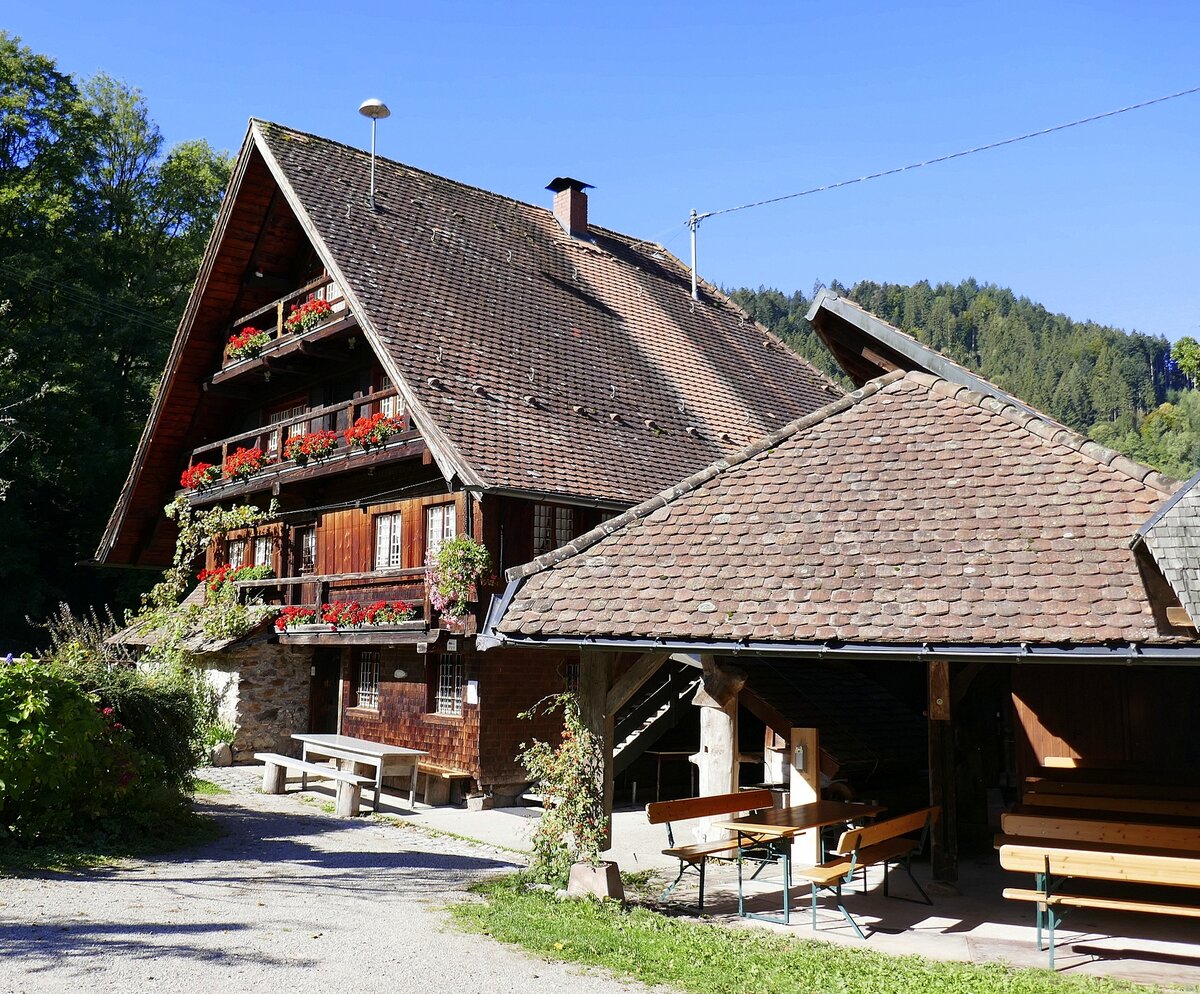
(1121, 852)
(349, 785)
(1112, 803)
(885, 842)
(695, 855)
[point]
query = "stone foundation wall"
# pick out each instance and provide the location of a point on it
(264, 693)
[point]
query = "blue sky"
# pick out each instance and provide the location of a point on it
(669, 106)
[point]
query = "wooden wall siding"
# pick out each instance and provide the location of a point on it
(346, 538)
(508, 529)
(1139, 719)
(403, 717)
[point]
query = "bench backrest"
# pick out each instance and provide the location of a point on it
(1149, 791)
(1124, 833)
(854, 839)
(1133, 805)
(658, 812)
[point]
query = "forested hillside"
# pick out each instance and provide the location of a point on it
(1123, 389)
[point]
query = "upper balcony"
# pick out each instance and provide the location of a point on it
(267, 460)
(284, 341)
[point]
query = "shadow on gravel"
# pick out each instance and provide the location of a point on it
(55, 943)
(353, 858)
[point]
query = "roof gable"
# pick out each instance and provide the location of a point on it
(913, 510)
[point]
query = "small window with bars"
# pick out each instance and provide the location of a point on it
(366, 684)
(388, 406)
(553, 526)
(571, 677)
(448, 683)
(389, 548)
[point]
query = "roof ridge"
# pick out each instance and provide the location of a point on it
(690, 483)
(1048, 430)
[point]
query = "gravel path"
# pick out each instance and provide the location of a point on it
(290, 900)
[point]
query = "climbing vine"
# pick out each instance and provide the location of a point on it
(163, 617)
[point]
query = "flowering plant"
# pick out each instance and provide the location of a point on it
(343, 614)
(574, 829)
(246, 344)
(227, 574)
(374, 429)
(313, 445)
(244, 463)
(307, 315)
(459, 564)
(388, 612)
(199, 476)
(292, 616)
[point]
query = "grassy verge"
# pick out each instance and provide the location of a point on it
(89, 850)
(206, 788)
(710, 959)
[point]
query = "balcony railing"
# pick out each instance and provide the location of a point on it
(271, 318)
(313, 590)
(272, 438)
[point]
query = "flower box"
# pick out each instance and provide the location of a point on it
(306, 316)
(373, 431)
(246, 344)
(315, 445)
(245, 463)
(200, 476)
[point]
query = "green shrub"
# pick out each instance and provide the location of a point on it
(63, 761)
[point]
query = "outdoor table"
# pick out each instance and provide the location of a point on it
(777, 826)
(388, 760)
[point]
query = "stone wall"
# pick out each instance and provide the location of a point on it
(264, 693)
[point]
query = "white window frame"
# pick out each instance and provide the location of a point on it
(553, 526)
(389, 540)
(235, 553)
(307, 558)
(450, 683)
(263, 551)
(441, 523)
(366, 691)
(387, 406)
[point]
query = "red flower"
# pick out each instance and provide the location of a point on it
(199, 476)
(373, 430)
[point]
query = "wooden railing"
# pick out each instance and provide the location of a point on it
(313, 590)
(277, 311)
(272, 438)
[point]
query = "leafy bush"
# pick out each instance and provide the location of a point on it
(458, 565)
(570, 777)
(63, 760)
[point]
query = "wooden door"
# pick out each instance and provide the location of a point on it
(323, 691)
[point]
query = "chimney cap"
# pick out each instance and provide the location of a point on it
(560, 183)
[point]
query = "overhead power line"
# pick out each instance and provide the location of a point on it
(952, 155)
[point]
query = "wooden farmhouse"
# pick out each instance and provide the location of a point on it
(1031, 593)
(534, 374)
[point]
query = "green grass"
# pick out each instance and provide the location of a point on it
(89, 850)
(643, 945)
(207, 788)
(441, 833)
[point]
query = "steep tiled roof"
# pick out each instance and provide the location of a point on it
(913, 510)
(533, 360)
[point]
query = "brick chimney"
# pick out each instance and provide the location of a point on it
(570, 205)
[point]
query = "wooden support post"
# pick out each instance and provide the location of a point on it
(805, 784)
(942, 772)
(595, 681)
(274, 778)
(717, 760)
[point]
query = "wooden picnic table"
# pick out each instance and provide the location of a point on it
(387, 760)
(776, 826)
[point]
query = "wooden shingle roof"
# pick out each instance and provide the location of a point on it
(912, 511)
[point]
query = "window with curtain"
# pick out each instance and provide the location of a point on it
(389, 549)
(439, 525)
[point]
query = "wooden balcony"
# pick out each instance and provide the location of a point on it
(271, 318)
(272, 438)
(313, 590)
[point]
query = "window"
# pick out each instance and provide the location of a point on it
(277, 437)
(264, 551)
(332, 294)
(366, 684)
(389, 551)
(553, 526)
(389, 405)
(439, 526)
(571, 677)
(306, 550)
(236, 553)
(448, 683)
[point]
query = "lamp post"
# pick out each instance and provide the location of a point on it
(376, 110)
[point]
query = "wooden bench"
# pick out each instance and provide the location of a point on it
(1150, 791)
(1034, 824)
(1053, 861)
(349, 785)
(439, 780)
(696, 855)
(885, 842)
(1112, 804)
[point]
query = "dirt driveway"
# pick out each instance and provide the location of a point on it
(289, 901)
